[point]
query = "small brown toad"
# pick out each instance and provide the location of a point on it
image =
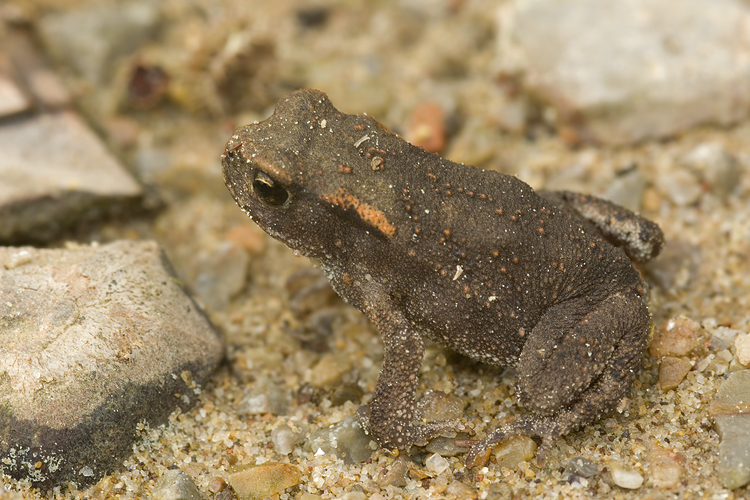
(473, 259)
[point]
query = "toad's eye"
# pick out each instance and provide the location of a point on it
(268, 190)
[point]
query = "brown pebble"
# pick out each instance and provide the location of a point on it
(260, 481)
(427, 127)
(672, 371)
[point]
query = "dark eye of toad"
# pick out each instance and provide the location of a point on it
(268, 190)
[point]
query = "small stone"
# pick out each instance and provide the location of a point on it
(514, 451)
(353, 495)
(681, 186)
(627, 189)
(12, 100)
(436, 464)
(346, 392)
(328, 371)
(716, 364)
(581, 466)
(730, 411)
(742, 345)
(666, 468)
(677, 337)
(437, 405)
(672, 371)
(394, 474)
(284, 439)
(457, 489)
(445, 447)
(176, 485)
(716, 166)
(255, 482)
(346, 440)
(625, 477)
(427, 127)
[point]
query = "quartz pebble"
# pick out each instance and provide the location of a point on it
(514, 451)
(284, 439)
(625, 477)
(436, 464)
(176, 485)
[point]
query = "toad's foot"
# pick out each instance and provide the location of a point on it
(548, 428)
(403, 434)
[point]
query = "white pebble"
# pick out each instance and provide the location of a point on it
(742, 344)
(625, 477)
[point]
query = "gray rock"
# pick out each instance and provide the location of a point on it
(56, 174)
(91, 38)
(176, 485)
(581, 466)
(345, 439)
(621, 72)
(93, 340)
(729, 410)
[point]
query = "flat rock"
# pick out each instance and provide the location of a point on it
(730, 410)
(93, 340)
(56, 174)
(620, 72)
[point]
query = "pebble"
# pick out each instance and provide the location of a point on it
(581, 466)
(672, 371)
(715, 165)
(677, 337)
(730, 411)
(665, 468)
(395, 473)
(437, 405)
(346, 440)
(255, 482)
(514, 451)
(715, 363)
(111, 330)
(176, 485)
(612, 99)
(681, 186)
(427, 127)
(742, 346)
(328, 371)
(285, 439)
(436, 464)
(625, 477)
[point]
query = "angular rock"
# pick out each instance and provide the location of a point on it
(260, 481)
(730, 410)
(93, 340)
(621, 72)
(56, 175)
(672, 371)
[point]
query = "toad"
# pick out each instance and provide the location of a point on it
(473, 259)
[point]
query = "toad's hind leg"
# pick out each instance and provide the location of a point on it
(577, 366)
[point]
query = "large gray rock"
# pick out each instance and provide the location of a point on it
(93, 340)
(56, 174)
(730, 410)
(630, 70)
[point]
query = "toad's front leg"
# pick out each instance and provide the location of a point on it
(392, 417)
